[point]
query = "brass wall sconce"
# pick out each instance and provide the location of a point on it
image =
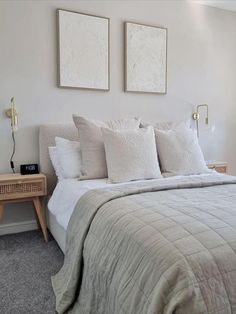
(12, 114)
(196, 116)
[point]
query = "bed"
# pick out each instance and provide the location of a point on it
(156, 246)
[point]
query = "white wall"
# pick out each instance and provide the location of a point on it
(201, 69)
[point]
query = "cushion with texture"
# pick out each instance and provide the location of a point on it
(92, 144)
(179, 152)
(131, 154)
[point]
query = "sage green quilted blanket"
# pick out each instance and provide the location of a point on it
(164, 246)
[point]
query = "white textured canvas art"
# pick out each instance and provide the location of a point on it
(146, 58)
(83, 50)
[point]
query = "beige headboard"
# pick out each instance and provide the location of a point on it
(47, 134)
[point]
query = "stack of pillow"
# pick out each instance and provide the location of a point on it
(126, 149)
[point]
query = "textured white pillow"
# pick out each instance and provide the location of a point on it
(55, 162)
(69, 157)
(92, 144)
(131, 154)
(179, 152)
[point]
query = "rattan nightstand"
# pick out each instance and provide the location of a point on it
(219, 166)
(18, 188)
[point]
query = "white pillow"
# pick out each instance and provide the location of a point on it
(55, 162)
(179, 152)
(131, 154)
(92, 144)
(69, 157)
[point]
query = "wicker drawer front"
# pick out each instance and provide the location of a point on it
(221, 169)
(11, 190)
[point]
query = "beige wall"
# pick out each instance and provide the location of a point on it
(201, 69)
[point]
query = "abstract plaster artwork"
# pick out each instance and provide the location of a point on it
(83, 50)
(145, 58)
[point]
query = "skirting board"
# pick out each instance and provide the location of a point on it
(18, 227)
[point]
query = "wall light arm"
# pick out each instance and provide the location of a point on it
(196, 116)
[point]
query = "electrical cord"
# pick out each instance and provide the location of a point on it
(13, 151)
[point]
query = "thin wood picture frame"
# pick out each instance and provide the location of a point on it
(138, 45)
(84, 61)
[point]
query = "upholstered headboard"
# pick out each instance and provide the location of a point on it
(47, 134)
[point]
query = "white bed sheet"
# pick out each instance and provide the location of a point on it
(69, 191)
(66, 195)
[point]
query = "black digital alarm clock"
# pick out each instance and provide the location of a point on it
(29, 169)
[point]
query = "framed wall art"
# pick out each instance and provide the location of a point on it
(83, 50)
(145, 58)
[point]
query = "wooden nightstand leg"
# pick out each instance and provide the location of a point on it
(1, 211)
(38, 209)
(37, 220)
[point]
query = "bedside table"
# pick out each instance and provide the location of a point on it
(22, 188)
(219, 166)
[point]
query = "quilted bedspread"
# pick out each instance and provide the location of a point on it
(167, 246)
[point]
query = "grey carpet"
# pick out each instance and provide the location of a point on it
(26, 266)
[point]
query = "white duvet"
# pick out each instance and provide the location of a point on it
(69, 191)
